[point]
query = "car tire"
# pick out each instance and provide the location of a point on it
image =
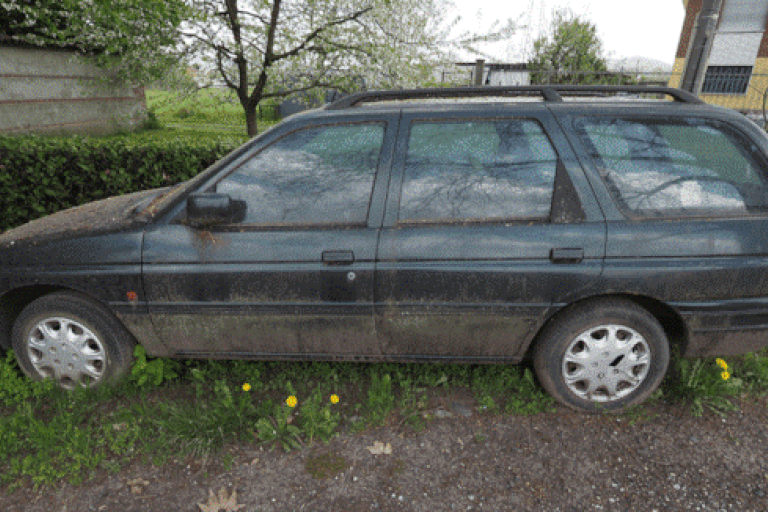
(72, 339)
(604, 355)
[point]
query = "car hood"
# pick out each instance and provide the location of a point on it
(105, 216)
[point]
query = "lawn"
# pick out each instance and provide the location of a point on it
(215, 107)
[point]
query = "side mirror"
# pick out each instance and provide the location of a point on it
(207, 209)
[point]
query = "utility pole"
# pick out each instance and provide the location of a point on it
(701, 43)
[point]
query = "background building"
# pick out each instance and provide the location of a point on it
(736, 73)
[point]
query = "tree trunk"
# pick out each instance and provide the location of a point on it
(251, 120)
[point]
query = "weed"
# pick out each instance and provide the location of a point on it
(15, 388)
(279, 428)
(753, 369)
(381, 400)
(325, 465)
(152, 372)
(198, 427)
(510, 388)
(316, 419)
(708, 383)
(412, 402)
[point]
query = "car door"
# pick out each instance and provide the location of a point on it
(295, 277)
(490, 223)
(686, 201)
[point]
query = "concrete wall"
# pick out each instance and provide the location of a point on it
(59, 91)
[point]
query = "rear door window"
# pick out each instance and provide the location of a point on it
(477, 171)
(672, 168)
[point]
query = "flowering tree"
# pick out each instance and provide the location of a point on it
(272, 48)
(137, 39)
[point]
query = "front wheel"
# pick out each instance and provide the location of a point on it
(73, 340)
(604, 355)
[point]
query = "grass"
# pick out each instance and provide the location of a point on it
(171, 410)
(210, 107)
(208, 115)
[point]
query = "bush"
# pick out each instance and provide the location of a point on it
(42, 175)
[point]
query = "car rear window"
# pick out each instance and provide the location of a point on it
(674, 167)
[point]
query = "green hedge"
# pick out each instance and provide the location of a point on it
(42, 175)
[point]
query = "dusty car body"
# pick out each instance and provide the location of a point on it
(590, 235)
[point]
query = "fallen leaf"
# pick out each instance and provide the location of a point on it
(137, 485)
(221, 502)
(380, 448)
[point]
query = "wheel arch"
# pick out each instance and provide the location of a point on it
(670, 320)
(14, 301)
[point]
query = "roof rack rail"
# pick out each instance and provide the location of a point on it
(548, 93)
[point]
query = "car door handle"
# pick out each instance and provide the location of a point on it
(338, 257)
(566, 255)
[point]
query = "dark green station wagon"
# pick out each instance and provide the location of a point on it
(590, 229)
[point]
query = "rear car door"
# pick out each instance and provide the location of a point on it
(489, 223)
(686, 198)
(295, 277)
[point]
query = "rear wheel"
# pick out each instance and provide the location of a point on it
(73, 340)
(603, 355)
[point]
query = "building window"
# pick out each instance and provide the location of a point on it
(726, 79)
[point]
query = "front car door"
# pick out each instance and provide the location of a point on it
(295, 277)
(490, 223)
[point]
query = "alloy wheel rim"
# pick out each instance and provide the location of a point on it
(66, 351)
(606, 363)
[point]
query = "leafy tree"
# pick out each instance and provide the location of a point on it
(570, 53)
(34, 21)
(263, 49)
(137, 39)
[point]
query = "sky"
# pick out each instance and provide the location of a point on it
(650, 28)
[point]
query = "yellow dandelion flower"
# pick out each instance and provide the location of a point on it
(334, 399)
(725, 375)
(291, 401)
(721, 363)
(246, 387)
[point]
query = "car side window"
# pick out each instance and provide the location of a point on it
(319, 175)
(674, 167)
(477, 171)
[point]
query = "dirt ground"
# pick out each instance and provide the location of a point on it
(660, 458)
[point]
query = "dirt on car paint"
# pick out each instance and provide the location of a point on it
(657, 457)
(112, 214)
